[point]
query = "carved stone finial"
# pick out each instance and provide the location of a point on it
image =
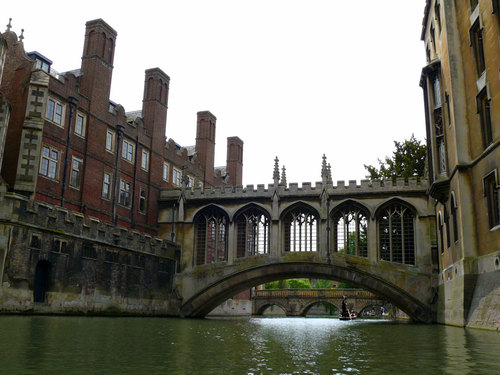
(329, 174)
(324, 170)
(21, 37)
(283, 176)
(276, 172)
(9, 26)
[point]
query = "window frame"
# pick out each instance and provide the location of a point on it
(128, 151)
(108, 184)
(142, 201)
(402, 211)
(165, 172)
(79, 172)
(50, 114)
(49, 161)
(477, 44)
(125, 193)
(176, 177)
(483, 106)
(491, 190)
(110, 136)
(83, 124)
(145, 160)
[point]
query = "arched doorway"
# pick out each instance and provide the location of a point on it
(42, 272)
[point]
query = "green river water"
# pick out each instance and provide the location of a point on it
(97, 345)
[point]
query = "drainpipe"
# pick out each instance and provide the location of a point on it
(116, 190)
(132, 205)
(73, 102)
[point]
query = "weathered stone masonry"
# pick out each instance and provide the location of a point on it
(92, 266)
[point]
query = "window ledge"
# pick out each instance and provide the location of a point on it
(481, 81)
(495, 228)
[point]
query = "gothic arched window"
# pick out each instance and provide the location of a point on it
(397, 234)
(301, 230)
(211, 236)
(253, 233)
(350, 230)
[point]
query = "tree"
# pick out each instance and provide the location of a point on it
(408, 160)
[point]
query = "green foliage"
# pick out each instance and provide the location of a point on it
(408, 160)
(346, 286)
(323, 284)
(299, 284)
(277, 284)
(289, 284)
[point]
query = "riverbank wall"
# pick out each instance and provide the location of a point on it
(55, 261)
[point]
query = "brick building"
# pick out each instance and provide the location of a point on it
(69, 145)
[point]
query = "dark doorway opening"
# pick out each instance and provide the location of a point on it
(42, 272)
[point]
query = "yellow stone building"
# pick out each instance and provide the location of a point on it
(461, 85)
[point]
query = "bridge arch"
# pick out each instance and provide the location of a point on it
(211, 296)
(264, 307)
(309, 306)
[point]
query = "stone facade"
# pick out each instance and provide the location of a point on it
(461, 85)
(81, 264)
(204, 282)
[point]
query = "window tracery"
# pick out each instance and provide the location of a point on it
(252, 233)
(211, 236)
(301, 230)
(350, 227)
(396, 234)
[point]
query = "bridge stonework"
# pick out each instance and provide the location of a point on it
(297, 302)
(202, 287)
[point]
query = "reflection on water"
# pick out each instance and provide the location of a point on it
(78, 345)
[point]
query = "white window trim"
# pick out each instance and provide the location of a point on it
(166, 168)
(108, 197)
(145, 153)
(125, 151)
(63, 112)
(129, 193)
(80, 171)
(51, 148)
(113, 140)
(174, 177)
(84, 124)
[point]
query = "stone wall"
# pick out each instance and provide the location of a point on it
(90, 266)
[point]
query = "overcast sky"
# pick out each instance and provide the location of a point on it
(293, 79)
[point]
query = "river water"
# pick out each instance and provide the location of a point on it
(96, 345)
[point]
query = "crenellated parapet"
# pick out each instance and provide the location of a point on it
(74, 226)
(364, 187)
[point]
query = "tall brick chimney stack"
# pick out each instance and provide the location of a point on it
(205, 143)
(154, 106)
(97, 64)
(234, 160)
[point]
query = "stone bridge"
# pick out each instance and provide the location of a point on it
(297, 302)
(378, 236)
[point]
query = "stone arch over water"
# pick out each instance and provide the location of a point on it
(202, 302)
